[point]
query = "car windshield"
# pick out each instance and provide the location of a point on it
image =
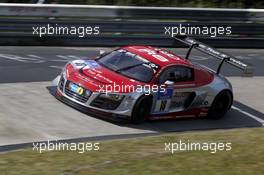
(129, 64)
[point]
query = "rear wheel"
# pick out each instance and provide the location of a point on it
(220, 105)
(141, 110)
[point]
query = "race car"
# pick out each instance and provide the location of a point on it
(142, 83)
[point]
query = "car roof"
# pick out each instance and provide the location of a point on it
(159, 56)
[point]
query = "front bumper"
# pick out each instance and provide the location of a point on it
(92, 103)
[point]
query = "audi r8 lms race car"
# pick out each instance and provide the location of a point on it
(143, 82)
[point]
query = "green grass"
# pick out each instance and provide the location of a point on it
(147, 156)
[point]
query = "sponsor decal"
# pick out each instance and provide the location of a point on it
(154, 54)
(167, 94)
(75, 88)
(163, 105)
(163, 100)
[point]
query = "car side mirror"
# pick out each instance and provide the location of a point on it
(168, 82)
(102, 52)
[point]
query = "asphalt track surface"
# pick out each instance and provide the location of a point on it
(30, 113)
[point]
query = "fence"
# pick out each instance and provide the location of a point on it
(122, 25)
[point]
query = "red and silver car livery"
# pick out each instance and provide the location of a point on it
(142, 82)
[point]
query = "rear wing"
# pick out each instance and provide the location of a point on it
(192, 43)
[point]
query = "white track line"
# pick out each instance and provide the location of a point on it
(260, 120)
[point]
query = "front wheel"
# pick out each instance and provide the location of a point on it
(141, 110)
(220, 105)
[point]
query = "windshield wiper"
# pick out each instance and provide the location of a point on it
(129, 67)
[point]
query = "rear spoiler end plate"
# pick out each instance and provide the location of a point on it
(247, 68)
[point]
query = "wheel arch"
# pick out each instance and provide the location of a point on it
(230, 92)
(232, 95)
(140, 99)
(144, 96)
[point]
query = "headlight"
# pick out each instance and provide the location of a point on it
(64, 72)
(114, 97)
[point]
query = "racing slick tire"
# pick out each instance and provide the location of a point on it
(141, 110)
(221, 104)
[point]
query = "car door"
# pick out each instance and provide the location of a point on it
(178, 94)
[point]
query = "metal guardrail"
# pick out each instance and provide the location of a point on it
(122, 25)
